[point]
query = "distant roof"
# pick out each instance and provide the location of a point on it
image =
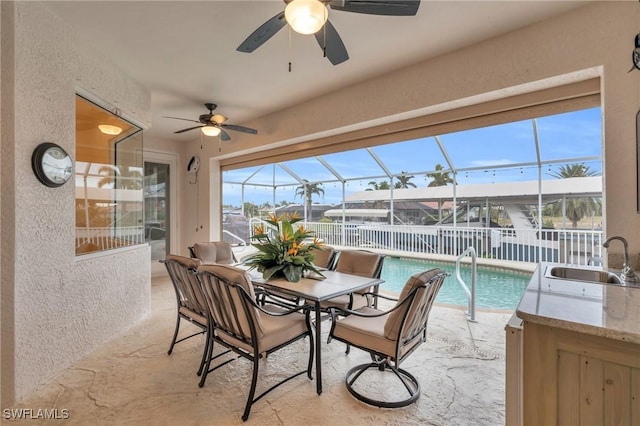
(516, 192)
(358, 212)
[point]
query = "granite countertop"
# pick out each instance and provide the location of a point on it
(606, 310)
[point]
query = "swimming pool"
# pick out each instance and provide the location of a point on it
(495, 288)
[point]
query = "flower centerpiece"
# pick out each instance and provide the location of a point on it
(283, 250)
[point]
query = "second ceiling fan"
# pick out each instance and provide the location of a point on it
(311, 17)
(214, 124)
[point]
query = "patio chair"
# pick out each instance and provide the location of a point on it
(191, 303)
(357, 262)
(213, 252)
(325, 257)
(245, 327)
(389, 336)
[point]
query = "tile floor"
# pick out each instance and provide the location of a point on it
(132, 381)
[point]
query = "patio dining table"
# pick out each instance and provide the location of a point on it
(317, 290)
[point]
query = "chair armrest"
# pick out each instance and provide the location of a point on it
(335, 311)
(287, 309)
(394, 299)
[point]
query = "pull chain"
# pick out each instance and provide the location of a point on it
(290, 52)
(324, 40)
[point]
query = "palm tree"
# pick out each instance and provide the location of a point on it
(573, 170)
(121, 177)
(575, 208)
(307, 190)
(439, 178)
(403, 181)
(378, 185)
(251, 210)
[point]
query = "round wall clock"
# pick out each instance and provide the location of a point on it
(51, 164)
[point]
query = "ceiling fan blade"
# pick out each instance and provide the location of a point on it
(329, 40)
(224, 135)
(263, 33)
(373, 7)
(187, 129)
(239, 128)
(178, 118)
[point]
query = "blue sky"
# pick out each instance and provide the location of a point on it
(562, 137)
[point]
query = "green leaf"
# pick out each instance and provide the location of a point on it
(293, 273)
(268, 273)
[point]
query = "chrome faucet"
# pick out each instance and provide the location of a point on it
(627, 274)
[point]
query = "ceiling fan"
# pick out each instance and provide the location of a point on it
(214, 124)
(311, 16)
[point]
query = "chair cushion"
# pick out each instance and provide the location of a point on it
(392, 327)
(187, 284)
(184, 261)
(323, 256)
(194, 316)
(239, 277)
(357, 262)
(343, 302)
(277, 331)
(366, 332)
(224, 253)
(206, 252)
(214, 252)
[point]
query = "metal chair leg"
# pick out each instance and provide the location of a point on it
(175, 335)
(254, 380)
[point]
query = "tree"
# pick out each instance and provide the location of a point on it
(403, 181)
(574, 170)
(575, 208)
(439, 178)
(308, 190)
(378, 185)
(251, 210)
(121, 177)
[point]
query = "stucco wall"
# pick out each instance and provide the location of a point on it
(597, 38)
(64, 307)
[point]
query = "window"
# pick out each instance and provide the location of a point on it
(109, 180)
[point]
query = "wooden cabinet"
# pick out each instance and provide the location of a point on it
(572, 378)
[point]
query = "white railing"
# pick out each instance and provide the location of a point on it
(107, 238)
(239, 240)
(575, 247)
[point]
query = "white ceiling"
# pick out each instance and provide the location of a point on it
(184, 52)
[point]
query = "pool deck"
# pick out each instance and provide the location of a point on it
(131, 380)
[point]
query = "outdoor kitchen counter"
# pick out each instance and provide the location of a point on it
(606, 310)
(579, 356)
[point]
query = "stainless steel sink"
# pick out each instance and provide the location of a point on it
(577, 274)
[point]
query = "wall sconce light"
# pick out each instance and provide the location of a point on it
(306, 16)
(109, 129)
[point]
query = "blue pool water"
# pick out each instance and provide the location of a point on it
(495, 288)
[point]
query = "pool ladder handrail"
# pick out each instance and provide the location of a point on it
(471, 294)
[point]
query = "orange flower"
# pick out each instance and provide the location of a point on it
(294, 249)
(274, 218)
(285, 236)
(294, 216)
(258, 230)
(317, 242)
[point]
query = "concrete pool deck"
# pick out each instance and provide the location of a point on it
(131, 380)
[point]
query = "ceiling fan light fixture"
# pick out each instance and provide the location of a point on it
(218, 118)
(306, 16)
(210, 130)
(109, 129)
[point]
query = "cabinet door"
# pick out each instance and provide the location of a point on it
(576, 379)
